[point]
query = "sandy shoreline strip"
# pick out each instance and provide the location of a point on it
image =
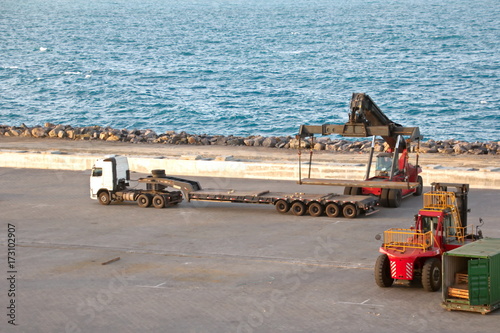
(481, 171)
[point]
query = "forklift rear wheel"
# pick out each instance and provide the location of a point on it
(298, 208)
(332, 209)
(316, 209)
(144, 200)
(104, 198)
(394, 198)
(350, 211)
(159, 201)
(383, 271)
(347, 190)
(282, 206)
(431, 274)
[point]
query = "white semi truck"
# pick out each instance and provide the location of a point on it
(110, 177)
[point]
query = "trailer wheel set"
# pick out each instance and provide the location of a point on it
(317, 209)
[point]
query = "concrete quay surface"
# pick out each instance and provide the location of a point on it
(207, 267)
(481, 171)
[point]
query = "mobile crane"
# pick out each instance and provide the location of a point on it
(415, 253)
(395, 177)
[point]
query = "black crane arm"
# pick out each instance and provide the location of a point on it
(365, 119)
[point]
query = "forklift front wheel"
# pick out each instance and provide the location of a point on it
(384, 202)
(431, 274)
(394, 198)
(383, 271)
(420, 187)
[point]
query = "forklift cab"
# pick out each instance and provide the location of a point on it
(384, 164)
(429, 223)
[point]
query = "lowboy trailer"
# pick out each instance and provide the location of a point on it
(110, 178)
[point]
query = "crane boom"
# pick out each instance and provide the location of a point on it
(365, 119)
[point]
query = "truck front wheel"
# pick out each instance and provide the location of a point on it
(383, 271)
(104, 198)
(431, 274)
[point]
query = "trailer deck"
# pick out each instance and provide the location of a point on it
(299, 203)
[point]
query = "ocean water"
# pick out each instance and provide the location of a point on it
(253, 66)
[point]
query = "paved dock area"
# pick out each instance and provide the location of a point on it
(206, 267)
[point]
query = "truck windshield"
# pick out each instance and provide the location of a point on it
(96, 172)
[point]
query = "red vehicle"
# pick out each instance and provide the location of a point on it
(390, 167)
(415, 254)
(395, 177)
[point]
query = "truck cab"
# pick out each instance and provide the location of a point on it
(109, 174)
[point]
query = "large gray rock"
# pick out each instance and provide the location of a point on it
(39, 132)
(459, 149)
(269, 142)
(249, 142)
(294, 144)
(319, 146)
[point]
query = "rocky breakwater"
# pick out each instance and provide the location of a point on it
(148, 136)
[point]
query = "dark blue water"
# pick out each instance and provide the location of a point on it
(251, 67)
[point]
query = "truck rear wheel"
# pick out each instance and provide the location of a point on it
(282, 206)
(298, 208)
(144, 200)
(431, 274)
(159, 201)
(350, 211)
(316, 209)
(332, 209)
(104, 198)
(383, 271)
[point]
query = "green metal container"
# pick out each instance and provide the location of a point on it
(471, 277)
